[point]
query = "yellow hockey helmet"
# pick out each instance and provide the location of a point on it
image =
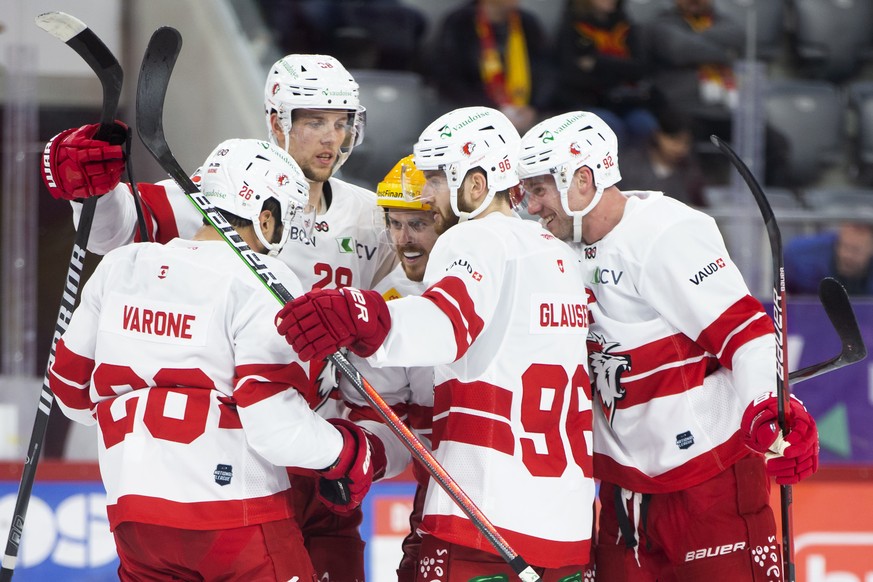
(402, 187)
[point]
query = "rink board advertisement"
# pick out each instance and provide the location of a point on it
(67, 535)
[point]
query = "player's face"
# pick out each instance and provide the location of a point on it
(544, 200)
(436, 193)
(854, 250)
(413, 233)
(315, 140)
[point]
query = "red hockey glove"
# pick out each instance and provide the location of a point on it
(322, 321)
(789, 458)
(788, 471)
(343, 486)
(77, 166)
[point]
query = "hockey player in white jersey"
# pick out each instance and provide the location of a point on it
(313, 112)
(504, 321)
(198, 410)
(408, 390)
(683, 362)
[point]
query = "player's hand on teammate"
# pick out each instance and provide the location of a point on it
(322, 321)
(789, 458)
(343, 485)
(76, 166)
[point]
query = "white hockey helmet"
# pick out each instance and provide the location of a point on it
(467, 138)
(241, 174)
(301, 81)
(561, 145)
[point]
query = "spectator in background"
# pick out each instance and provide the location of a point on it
(492, 53)
(693, 48)
(666, 163)
(602, 68)
(845, 254)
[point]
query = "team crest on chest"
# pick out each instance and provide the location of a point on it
(606, 370)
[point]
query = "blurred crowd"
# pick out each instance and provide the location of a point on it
(660, 72)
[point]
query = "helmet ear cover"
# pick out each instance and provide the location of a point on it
(469, 138)
(240, 175)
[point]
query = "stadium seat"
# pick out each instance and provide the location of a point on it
(434, 11)
(392, 34)
(643, 11)
(810, 115)
(399, 106)
(832, 37)
(861, 102)
(549, 13)
(840, 200)
(769, 23)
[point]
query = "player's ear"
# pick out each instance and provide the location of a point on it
(584, 178)
(478, 185)
(266, 222)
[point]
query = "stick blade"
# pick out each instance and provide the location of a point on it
(60, 25)
(93, 51)
(151, 92)
(835, 301)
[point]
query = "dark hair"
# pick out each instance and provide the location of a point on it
(235, 221)
(672, 121)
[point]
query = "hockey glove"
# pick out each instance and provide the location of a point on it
(77, 166)
(789, 458)
(343, 485)
(322, 321)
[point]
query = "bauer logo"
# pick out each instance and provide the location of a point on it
(223, 474)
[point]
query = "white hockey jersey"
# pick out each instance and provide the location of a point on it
(173, 353)
(678, 348)
(347, 248)
(409, 391)
(504, 321)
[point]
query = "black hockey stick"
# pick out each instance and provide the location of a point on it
(835, 301)
(81, 39)
(154, 78)
(781, 327)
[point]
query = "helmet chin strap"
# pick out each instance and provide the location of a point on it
(465, 216)
(579, 214)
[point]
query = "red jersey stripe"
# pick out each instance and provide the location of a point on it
(254, 388)
(159, 211)
(202, 515)
(471, 429)
(717, 338)
(640, 389)
(688, 474)
(451, 297)
(480, 396)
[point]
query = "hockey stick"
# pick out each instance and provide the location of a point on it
(835, 301)
(154, 78)
(781, 328)
(81, 39)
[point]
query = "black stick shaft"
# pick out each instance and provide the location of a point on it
(88, 45)
(780, 322)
